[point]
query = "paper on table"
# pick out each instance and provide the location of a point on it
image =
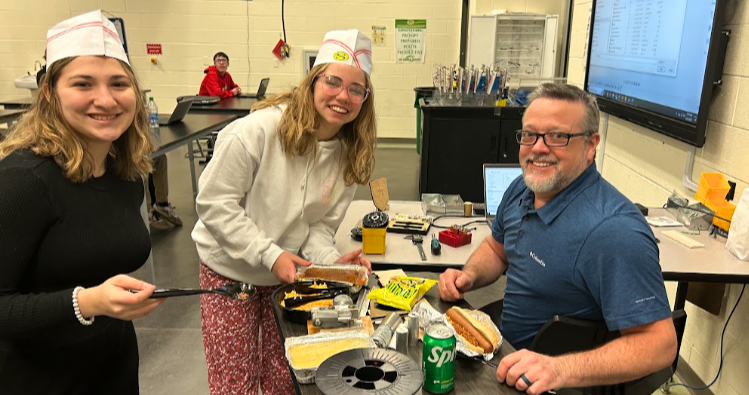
(386, 275)
(663, 221)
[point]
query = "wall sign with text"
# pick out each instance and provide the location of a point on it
(410, 40)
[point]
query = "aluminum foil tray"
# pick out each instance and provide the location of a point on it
(306, 353)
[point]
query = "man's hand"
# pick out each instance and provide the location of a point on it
(236, 91)
(453, 284)
(355, 258)
(542, 372)
(285, 267)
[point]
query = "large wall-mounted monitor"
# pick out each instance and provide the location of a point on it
(656, 62)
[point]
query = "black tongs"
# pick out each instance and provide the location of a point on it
(236, 291)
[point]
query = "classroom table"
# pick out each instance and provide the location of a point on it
(400, 252)
(239, 106)
(192, 127)
(10, 116)
(713, 263)
(18, 103)
(471, 377)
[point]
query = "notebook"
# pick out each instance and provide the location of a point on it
(260, 90)
(179, 112)
(497, 178)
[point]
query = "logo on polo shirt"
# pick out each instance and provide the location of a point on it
(537, 259)
(340, 56)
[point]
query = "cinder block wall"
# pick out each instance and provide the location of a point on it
(647, 167)
(191, 31)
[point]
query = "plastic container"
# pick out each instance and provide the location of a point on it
(306, 353)
(373, 241)
(454, 239)
(723, 210)
(713, 188)
(153, 115)
(354, 275)
(422, 92)
(374, 229)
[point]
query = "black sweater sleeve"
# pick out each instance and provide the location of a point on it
(26, 213)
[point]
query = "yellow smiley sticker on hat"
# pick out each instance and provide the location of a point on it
(340, 56)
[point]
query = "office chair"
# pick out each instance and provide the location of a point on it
(562, 335)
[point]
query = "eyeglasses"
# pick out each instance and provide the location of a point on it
(333, 85)
(222, 61)
(553, 139)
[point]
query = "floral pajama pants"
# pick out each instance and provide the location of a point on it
(243, 348)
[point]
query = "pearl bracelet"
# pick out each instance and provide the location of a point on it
(77, 310)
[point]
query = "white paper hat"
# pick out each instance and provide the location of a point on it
(87, 34)
(349, 47)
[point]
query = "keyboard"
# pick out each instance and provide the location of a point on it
(682, 239)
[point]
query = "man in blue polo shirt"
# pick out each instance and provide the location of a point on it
(572, 245)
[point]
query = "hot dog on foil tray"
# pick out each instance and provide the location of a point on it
(474, 330)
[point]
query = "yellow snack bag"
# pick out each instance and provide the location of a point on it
(402, 292)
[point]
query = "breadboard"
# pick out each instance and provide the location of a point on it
(682, 239)
(408, 224)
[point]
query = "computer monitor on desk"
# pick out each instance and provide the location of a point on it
(497, 178)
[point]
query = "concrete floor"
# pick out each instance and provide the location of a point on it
(170, 342)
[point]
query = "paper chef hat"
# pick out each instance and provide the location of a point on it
(87, 34)
(346, 47)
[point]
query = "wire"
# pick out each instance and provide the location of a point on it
(480, 221)
(722, 335)
(283, 21)
(697, 210)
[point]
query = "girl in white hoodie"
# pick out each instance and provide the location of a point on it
(276, 190)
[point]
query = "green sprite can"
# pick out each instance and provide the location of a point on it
(438, 359)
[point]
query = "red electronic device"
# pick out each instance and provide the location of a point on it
(454, 237)
(281, 50)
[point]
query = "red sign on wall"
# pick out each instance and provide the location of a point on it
(153, 49)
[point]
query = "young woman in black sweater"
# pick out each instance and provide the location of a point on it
(70, 195)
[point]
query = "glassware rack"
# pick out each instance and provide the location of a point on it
(524, 44)
(519, 46)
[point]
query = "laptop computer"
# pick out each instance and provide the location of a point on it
(206, 100)
(497, 178)
(260, 90)
(179, 112)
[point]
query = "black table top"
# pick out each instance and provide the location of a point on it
(16, 103)
(10, 115)
(471, 377)
(235, 105)
(193, 126)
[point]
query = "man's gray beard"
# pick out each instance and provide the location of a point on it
(556, 183)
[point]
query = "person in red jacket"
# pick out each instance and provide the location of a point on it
(217, 81)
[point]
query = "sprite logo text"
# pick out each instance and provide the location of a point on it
(441, 356)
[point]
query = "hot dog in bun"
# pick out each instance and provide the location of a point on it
(474, 334)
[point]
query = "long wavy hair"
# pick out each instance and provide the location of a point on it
(300, 120)
(44, 130)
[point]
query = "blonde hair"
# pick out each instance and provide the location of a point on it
(300, 120)
(44, 130)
